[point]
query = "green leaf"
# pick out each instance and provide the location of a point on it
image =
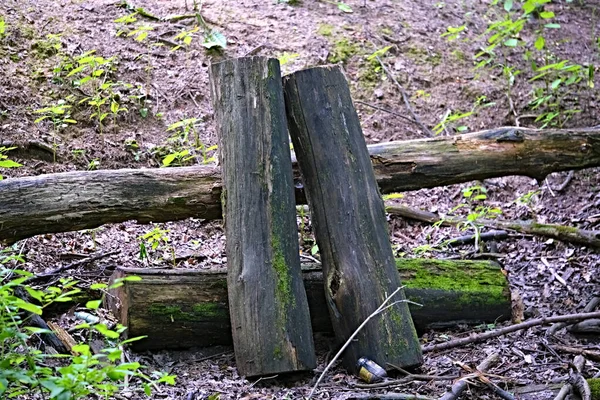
(141, 36)
(169, 158)
(508, 5)
(36, 294)
(393, 196)
(528, 7)
(38, 331)
(103, 329)
(511, 43)
(547, 14)
(314, 250)
(9, 164)
(540, 42)
(54, 389)
(93, 304)
(27, 306)
(552, 26)
(135, 339)
(345, 7)
(97, 286)
(556, 83)
(214, 39)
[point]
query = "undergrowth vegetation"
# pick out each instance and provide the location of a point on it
(25, 368)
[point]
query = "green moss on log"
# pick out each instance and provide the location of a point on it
(283, 290)
(594, 384)
(480, 277)
(197, 312)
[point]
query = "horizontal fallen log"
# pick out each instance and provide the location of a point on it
(185, 308)
(87, 199)
(560, 232)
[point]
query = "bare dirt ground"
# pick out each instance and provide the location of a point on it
(168, 86)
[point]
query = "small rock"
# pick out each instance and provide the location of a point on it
(378, 93)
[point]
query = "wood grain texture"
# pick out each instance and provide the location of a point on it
(348, 218)
(179, 308)
(269, 311)
(87, 199)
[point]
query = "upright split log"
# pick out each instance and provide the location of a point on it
(269, 310)
(71, 201)
(349, 219)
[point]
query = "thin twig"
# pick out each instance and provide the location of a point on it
(384, 306)
(376, 107)
(425, 130)
(461, 384)
(75, 264)
(509, 329)
(566, 182)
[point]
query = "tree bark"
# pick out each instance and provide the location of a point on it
(269, 311)
(179, 308)
(87, 199)
(349, 219)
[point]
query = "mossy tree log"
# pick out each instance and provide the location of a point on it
(87, 199)
(269, 311)
(187, 308)
(349, 219)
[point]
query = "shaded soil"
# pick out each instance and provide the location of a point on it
(169, 86)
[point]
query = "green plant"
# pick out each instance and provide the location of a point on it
(92, 74)
(2, 27)
(341, 51)
(59, 115)
(450, 119)
(93, 164)
(453, 33)
(528, 200)
(141, 34)
(5, 162)
(154, 239)
(474, 197)
(559, 80)
(185, 144)
(25, 369)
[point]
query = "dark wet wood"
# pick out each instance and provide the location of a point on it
(87, 199)
(269, 311)
(349, 220)
(189, 308)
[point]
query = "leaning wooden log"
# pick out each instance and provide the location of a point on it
(349, 220)
(269, 311)
(179, 308)
(563, 233)
(87, 199)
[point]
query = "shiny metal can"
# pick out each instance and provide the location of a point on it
(369, 371)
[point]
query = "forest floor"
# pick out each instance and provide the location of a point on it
(155, 86)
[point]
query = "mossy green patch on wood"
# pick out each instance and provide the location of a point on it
(552, 229)
(283, 290)
(479, 278)
(198, 311)
(594, 384)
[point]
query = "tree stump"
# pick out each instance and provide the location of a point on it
(349, 219)
(268, 306)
